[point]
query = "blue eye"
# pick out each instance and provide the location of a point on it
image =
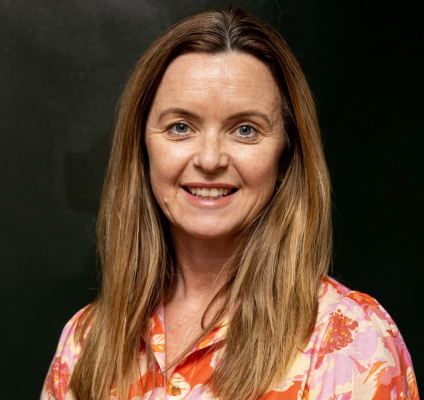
(181, 128)
(245, 130)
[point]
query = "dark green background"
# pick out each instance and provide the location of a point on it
(63, 66)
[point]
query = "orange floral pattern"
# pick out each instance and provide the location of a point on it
(57, 379)
(355, 352)
(339, 335)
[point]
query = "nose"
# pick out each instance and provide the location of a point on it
(211, 155)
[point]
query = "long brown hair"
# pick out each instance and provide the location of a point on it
(287, 249)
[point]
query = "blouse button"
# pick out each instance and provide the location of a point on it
(175, 390)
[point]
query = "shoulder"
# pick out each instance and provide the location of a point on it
(335, 298)
(56, 385)
(360, 350)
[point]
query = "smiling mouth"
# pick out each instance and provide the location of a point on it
(209, 193)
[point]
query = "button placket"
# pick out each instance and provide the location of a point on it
(175, 390)
(177, 386)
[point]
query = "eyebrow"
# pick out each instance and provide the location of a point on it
(249, 113)
(253, 113)
(179, 111)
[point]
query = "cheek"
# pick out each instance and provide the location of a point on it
(260, 168)
(166, 164)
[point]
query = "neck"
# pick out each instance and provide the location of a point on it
(202, 266)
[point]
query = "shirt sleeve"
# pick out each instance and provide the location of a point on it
(362, 355)
(56, 385)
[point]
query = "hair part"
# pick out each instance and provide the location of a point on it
(283, 255)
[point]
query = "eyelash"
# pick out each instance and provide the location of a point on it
(250, 138)
(247, 139)
(176, 133)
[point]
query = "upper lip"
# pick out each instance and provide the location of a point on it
(209, 185)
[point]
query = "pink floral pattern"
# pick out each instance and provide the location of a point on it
(355, 352)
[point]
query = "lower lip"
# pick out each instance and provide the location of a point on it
(209, 203)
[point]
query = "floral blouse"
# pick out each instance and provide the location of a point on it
(355, 352)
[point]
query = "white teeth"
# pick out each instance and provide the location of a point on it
(209, 193)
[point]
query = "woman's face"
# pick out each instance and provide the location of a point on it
(214, 136)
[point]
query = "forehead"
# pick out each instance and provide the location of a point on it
(226, 81)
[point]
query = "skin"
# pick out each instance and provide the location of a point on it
(209, 91)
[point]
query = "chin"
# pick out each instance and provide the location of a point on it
(208, 232)
(205, 234)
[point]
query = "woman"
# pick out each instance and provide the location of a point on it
(215, 239)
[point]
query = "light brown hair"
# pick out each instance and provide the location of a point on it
(276, 274)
